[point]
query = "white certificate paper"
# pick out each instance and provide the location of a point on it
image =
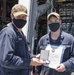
(55, 55)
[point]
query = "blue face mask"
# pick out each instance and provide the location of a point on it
(54, 26)
(20, 23)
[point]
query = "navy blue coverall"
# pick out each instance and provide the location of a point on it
(14, 54)
(68, 56)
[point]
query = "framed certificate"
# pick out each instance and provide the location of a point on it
(53, 54)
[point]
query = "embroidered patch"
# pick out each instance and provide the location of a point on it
(19, 38)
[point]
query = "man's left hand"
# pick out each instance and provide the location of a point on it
(60, 68)
(38, 56)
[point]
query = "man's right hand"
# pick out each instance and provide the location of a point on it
(37, 62)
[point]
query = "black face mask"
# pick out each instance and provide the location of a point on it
(54, 26)
(20, 23)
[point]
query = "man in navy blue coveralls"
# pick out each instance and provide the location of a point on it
(14, 53)
(57, 37)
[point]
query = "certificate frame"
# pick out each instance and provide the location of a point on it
(55, 55)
